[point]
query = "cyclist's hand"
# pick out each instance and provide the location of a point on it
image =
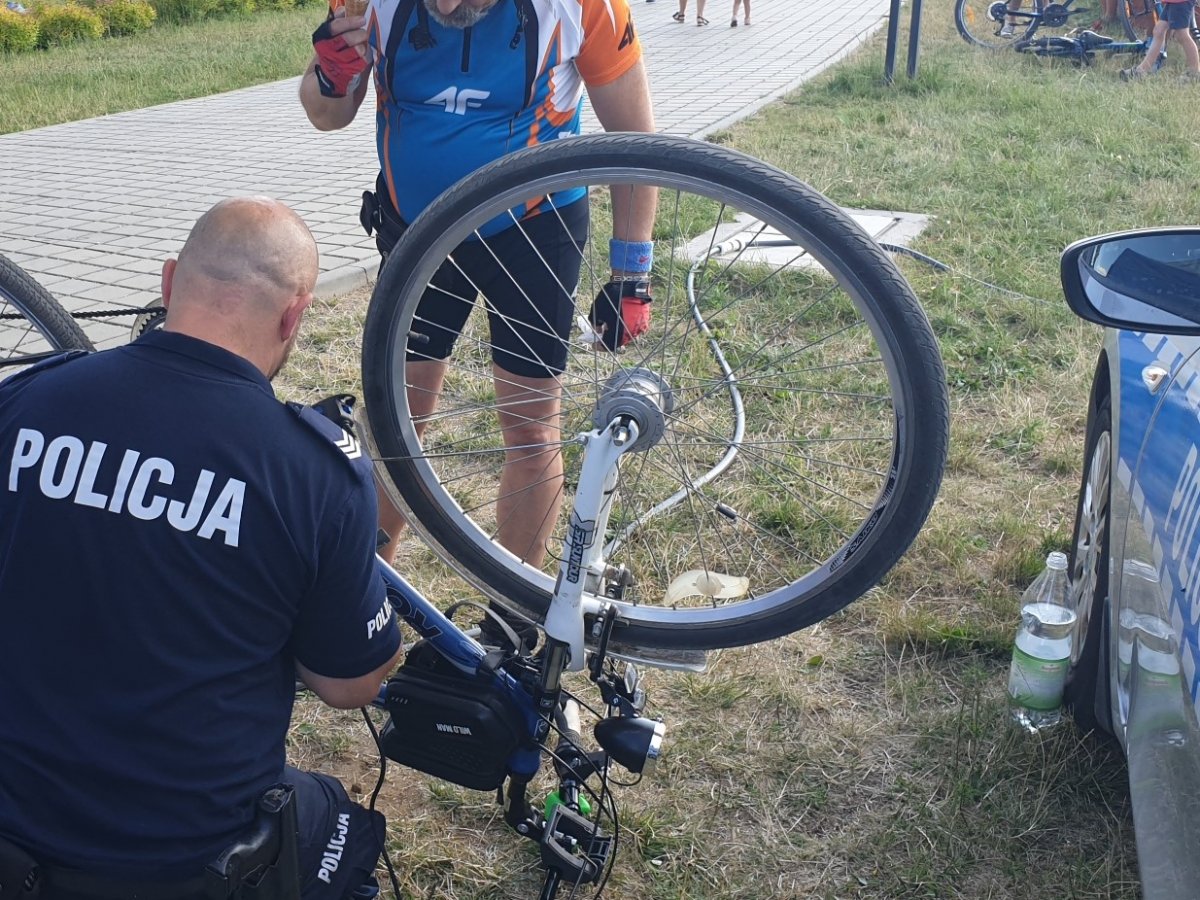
(342, 54)
(621, 312)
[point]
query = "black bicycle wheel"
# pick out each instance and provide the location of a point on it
(983, 22)
(805, 433)
(33, 324)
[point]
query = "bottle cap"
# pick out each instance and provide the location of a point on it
(1056, 560)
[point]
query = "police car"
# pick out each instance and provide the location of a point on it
(1135, 555)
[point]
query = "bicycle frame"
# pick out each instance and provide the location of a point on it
(574, 849)
(1052, 15)
(1082, 48)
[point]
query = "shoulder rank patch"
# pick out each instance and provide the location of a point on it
(349, 445)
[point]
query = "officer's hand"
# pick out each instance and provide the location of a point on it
(342, 54)
(621, 312)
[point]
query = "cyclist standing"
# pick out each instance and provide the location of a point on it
(461, 83)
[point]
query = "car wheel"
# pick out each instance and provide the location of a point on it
(1088, 690)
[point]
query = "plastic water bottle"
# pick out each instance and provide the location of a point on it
(1051, 585)
(1042, 650)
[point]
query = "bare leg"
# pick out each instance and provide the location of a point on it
(736, 6)
(532, 481)
(424, 387)
(1013, 6)
(1146, 66)
(700, 12)
(746, 20)
(1191, 54)
(679, 16)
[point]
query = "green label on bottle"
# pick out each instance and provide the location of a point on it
(1036, 683)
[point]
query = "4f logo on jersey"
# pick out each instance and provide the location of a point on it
(627, 37)
(458, 102)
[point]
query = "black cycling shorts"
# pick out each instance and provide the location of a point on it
(1179, 14)
(526, 276)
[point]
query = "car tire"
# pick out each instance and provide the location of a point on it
(1088, 690)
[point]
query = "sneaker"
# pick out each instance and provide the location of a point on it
(1132, 74)
(1006, 30)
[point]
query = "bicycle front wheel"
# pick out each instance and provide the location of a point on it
(981, 22)
(805, 428)
(33, 324)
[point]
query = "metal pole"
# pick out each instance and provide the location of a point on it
(889, 62)
(914, 38)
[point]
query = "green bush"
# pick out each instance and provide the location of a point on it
(121, 17)
(234, 8)
(183, 11)
(67, 24)
(276, 4)
(18, 32)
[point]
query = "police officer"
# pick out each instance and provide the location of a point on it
(176, 547)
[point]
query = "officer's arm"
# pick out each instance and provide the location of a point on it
(349, 693)
(624, 105)
(332, 113)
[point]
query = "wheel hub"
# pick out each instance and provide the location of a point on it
(639, 395)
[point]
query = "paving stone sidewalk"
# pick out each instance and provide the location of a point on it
(92, 208)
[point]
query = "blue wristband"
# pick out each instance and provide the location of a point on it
(630, 256)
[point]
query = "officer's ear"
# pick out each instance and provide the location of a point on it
(168, 280)
(289, 322)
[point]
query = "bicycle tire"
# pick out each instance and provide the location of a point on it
(1133, 13)
(977, 23)
(33, 324)
(806, 564)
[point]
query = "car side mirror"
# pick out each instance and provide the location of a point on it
(1145, 280)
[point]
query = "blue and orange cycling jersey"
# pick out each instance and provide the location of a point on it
(450, 100)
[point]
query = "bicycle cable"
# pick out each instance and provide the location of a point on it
(387, 858)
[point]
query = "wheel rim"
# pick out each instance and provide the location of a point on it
(1092, 533)
(799, 540)
(24, 337)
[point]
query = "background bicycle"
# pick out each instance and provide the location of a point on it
(32, 322)
(995, 24)
(1083, 48)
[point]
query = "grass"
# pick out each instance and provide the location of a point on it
(867, 757)
(168, 63)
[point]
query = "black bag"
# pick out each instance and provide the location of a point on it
(446, 723)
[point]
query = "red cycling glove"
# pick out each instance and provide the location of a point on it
(338, 64)
(621, 312)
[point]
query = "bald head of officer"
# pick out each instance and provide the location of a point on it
(243, 280)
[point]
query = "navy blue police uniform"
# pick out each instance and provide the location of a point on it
(172, 540)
